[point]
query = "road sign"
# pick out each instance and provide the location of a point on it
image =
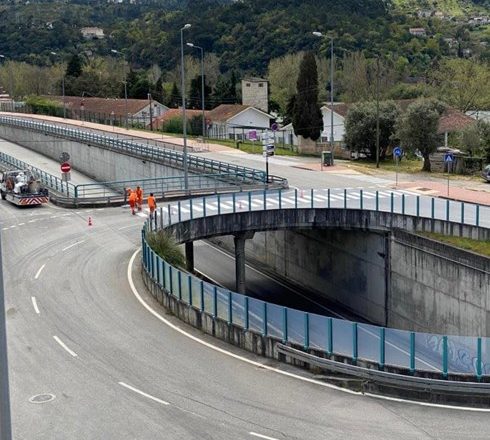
(66, 177)
(397, 152)
(252, 135)
(64, 157)
(274, 126)
(268, 150)
(65, 167)
(449, 158)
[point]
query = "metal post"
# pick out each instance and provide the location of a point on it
(345, 199)
(126, 99)
(215, 302)
(64, 99)
(328, 198)
(204, 206)
(403, 204)
(265, 319)
(247, 320)
(392, 202)
(331, 96)
(295, 198)
(189, 287)
(377, 111)
(478, 360)
(354, 342)
(201, 291)
(329, 336)
(418, 206)
(307, 331)
(412, 352)
(280, 197)
(447, 210)
(285, 325)
(432, 208)
(462, 212)
(360, 199)
(477, 215)
(377, 200)
(382, 353)
(184, 120)
(230, 308)
(444, 357)
(5, 423)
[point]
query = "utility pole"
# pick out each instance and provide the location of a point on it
(5, 423)
(151, 113)
(184, 120)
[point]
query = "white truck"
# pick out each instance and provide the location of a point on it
(22, 188)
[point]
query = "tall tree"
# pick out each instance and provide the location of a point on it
(417, 128)
(75, 66)
(174, 99)
(360, 127)
(307, 116)
(195, 93)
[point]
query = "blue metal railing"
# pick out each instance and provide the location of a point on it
(412, 351)
(134, 148)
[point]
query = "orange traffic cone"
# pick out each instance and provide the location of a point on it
(90, 221)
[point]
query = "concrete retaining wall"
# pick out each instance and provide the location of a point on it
(98, 163)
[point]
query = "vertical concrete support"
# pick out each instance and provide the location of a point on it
(189, 256)
(240, 259)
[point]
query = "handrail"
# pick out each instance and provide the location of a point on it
(170, 157)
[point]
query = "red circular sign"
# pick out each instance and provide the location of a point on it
(65, 167)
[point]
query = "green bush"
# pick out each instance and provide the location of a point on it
(164, 244)
(43, 106)
(173, 125)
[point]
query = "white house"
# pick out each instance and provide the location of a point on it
(236, 121)
(92, 33)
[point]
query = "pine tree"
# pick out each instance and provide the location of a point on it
(74, 67)
(174, 100)
(307, 116)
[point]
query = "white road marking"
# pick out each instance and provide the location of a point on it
(254, 434)
(4, 229)
(54, 216)
(71, 245)
(39, 272)
(21, 224)
(130, 226)
(34, 304)
(269, 368)
(149, 396)
(59, 341)
(32, 221)
(13, 226)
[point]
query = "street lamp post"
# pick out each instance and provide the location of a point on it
(202, 88)
(62, 89)
(319, 34)
(377, 111)
(184, 120)
(125, 89)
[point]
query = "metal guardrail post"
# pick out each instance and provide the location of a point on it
(169, 209)
(204, 206)
(312, 199)
(158, 269)
(164, 275)
(171, 279)
(412, 352)
(329, 336)
(219, 204)
(265, 330)
(179, 280)
(377, 200)
(478, 360)
(201, 294)
(477, 215)
(355, 347)
(295, 198)
(233, 197)
(382, 347)
(249, 201)
(190, 208)
(462, 212)
(215, 301)
(345, 199)
(444, 357)
(403, 204)
(447, 210)
(307, 331)
(247, 318)
(230, 308)
(392, 197)
(418, 206)
(265, 200)
(179, 212)
(432, 207)
(189, 287)
(279, 194)
(328, 198)
(285, 324)
(360, 199)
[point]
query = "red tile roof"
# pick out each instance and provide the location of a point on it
(102, 105)
(226, 111)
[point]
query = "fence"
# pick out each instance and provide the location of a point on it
(410, 351)
(145, 151)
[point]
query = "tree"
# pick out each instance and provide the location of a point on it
(232, 92)
(173, 100)
(360, 127)
(220, 91)
(74, 67)
(195, 93)
(307, 116)
(417, 128)
(464, 84)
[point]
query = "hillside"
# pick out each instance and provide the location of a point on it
(244, 34)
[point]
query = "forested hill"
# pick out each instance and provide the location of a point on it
(245, 34)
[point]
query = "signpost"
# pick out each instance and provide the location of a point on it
(65, 172)
(397, 153)
(267, 149)
(449, 160)
(64, 157)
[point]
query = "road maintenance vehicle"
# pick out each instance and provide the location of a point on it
(22, 188)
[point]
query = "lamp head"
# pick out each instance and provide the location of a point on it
(190, 44)
(187, 26)
(317, 34)
(53, 53)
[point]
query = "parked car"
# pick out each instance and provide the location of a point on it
(486, 173)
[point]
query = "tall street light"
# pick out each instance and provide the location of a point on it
(11, 82)
(202, 87)
(62, 89)
(319, 34)
(184, 120)
(114, 51)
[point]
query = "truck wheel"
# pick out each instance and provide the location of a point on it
(4, 196)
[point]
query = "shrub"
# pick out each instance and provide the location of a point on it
(164, 244)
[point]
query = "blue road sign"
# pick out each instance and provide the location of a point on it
(448, 158)
(397, 151)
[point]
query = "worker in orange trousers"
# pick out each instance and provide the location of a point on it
(139, 198)
(132, 201)
(152, 204)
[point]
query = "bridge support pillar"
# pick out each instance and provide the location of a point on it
(240, 259)
(189, 256)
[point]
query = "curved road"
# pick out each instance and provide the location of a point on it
(118, 372)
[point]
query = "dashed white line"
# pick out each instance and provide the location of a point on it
(39, 272)
(4, 229)
(21, 224)
(34, 304)
(255, 434)
(32, 221)
(59, 341)
(149, 396)
(13, 226)
(71, 245)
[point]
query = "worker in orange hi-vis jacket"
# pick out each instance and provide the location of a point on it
(132, 201)
(139, 197)
(152, 204)
(127, 193)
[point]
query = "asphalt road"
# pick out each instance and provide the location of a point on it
(109, 350)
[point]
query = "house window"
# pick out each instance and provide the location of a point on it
(324, 139)
(261, 84)
(239, 137)
(231, 136)
(247, 84)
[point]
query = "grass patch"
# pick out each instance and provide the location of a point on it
(481, 247)
(164, 244)
(405, 165)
